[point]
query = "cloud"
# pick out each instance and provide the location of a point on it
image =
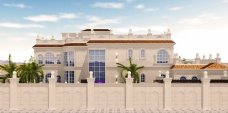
(146, 9)
(19, 25)
(224, 1)
(199, 20)
(176, 8)
(16, 5)
(95, 21)
(111, 5)
(51, 18)
(141, 29)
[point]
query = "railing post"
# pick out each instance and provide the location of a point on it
(167, 92)
(206, 92)
(129, 92)
(13, 91)
(51, 92)
(90, 91)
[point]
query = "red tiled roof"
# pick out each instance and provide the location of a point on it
(210, 66)
(96, 30)
(187, 66)
(75, 44)
(47, 45)
(58, 45)
(130, 41)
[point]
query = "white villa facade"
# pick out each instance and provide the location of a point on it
(99, 50)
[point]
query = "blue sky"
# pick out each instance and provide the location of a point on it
(197, 26)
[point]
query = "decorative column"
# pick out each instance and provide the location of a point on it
(167, 92)
(90, 91)
(13, 91)
(51, 91)
(206, 92)
(129, 91)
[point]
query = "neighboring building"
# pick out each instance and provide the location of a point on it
(99, 50)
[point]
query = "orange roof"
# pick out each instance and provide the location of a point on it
(60, 45)
(215, 66)
(130, 41)
(210, 66)
(187, 66)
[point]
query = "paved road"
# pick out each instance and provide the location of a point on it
(114, 111)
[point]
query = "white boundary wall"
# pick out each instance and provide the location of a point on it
(91, 96)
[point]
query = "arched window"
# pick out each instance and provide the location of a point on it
(48, 75)
(49, 58)
(183, 78)
(58, 79)
(162, 57)
(194, 78)
(40, 59)
(58, 59)
(130, 53)
(142, 53)
(142, 77)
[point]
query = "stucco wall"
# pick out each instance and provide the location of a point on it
(4, 96)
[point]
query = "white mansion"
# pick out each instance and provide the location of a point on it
(98, 50)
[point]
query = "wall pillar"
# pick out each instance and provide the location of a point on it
(206, 92)
(167, 92)
(13, 91)
(51, 91)
(90, 91)
(129, 92)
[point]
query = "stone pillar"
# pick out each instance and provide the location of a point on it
(167, 92)
(51, 91)
(129, 92)
(205, 92)
(13, 91)
(90, 91)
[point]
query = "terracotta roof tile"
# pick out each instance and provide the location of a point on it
(96, 30)
(215, 66)
(210, 66)
(58, 45)
(47, 45)
(187, 66)
(130, 41)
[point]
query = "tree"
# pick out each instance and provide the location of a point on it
(30, 72)
(8, 68)
(133, 68)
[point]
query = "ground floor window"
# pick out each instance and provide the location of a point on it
(194, 78)
(69, 76)
(142, 77)
(183, 78)
(48, 75)
(58, 79)
(97, 65)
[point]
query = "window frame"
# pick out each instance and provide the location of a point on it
(140, 53)
(161, 56)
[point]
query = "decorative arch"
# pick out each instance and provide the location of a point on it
(194, 78)
(162, 57)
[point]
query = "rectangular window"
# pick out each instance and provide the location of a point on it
(97, 65)
(69, 58)
(69, 76)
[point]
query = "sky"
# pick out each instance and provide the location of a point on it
(197, 26)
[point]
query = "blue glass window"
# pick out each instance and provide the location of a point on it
(97, 65)
(58, 59)
(183, 78)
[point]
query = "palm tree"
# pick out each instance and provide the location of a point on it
(8, 68)
(30, 72)
(133, 68)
